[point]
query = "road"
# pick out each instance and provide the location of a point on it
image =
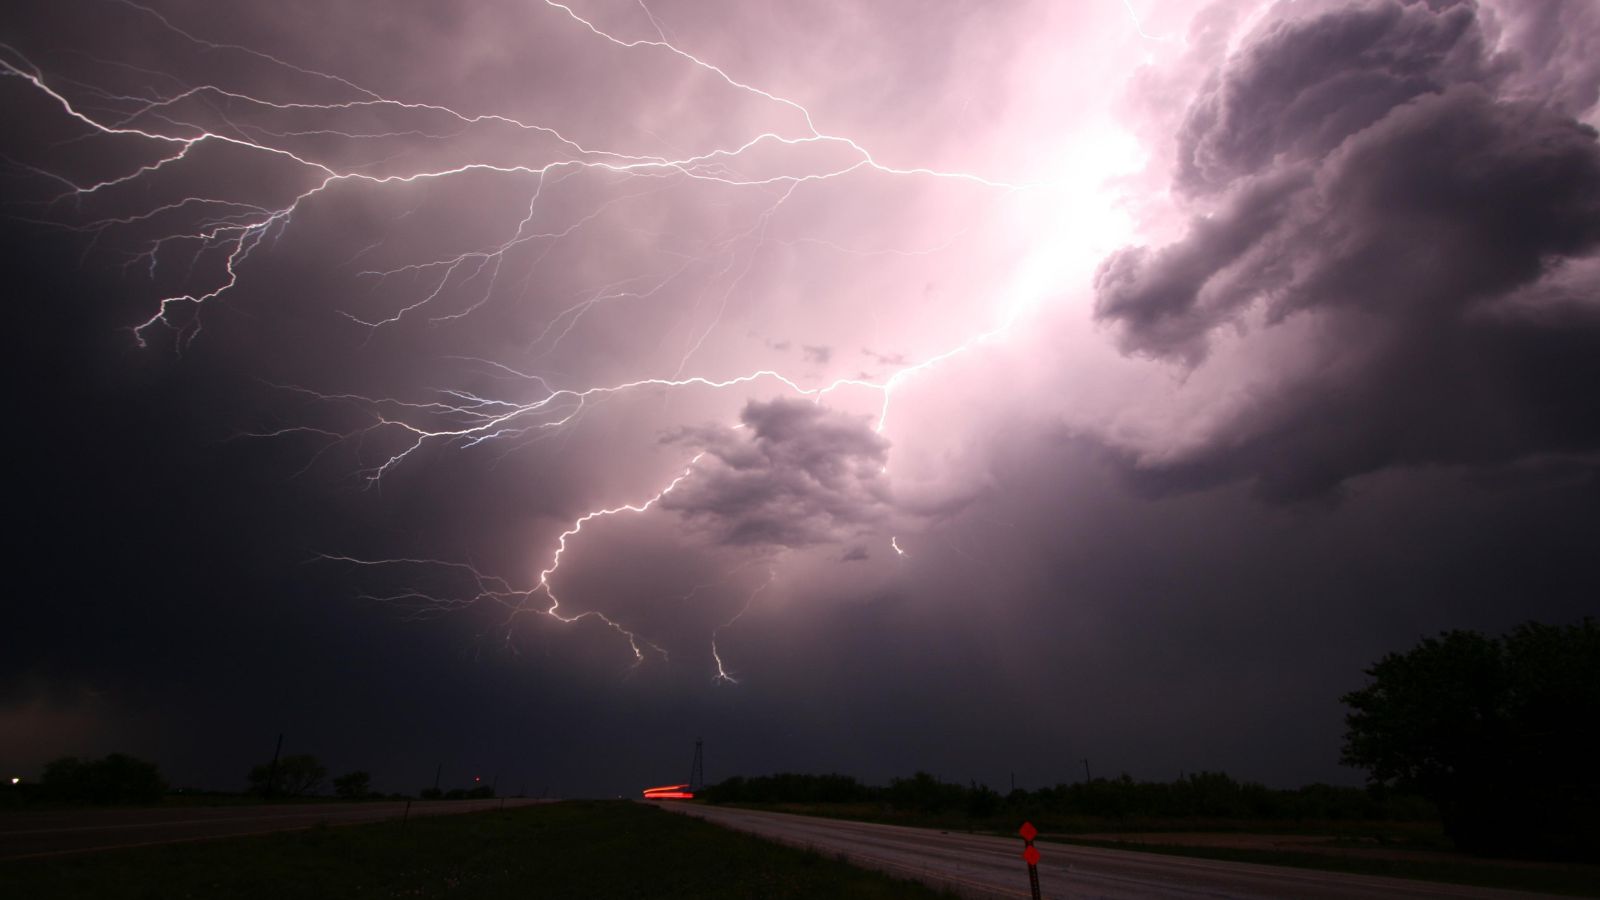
(981, 866)
(24, 835)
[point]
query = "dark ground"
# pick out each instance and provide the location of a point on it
(591, 849)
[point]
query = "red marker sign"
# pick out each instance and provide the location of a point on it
(1030, 854)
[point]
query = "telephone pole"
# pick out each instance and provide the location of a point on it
(697, 772)
(272, 773)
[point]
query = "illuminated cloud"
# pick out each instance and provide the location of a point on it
(641, 347)
(1367, 183)
(792, 474)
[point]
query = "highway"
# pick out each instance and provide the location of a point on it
(984, 867)
(25, 835)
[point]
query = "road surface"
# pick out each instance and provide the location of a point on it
(982, 866)
(24, 835)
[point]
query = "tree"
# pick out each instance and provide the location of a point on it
(353, 786)
(1501, 733)
(296, 775)
(116, 779)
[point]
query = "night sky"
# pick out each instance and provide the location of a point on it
(868, 387)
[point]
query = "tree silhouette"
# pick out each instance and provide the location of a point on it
(353, 786)
(1501, 733)
(116, 779)
(297, 775)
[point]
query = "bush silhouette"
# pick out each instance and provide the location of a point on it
(116, 779)
(353, 786)
(295, 775)
(1501, 733)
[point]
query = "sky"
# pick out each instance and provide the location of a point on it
(527, 390)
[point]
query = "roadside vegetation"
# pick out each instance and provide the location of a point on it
(1501, 733)
(1481, 744)
(1338, 829)
(1203, 801)
(1477, 749)
(115, 780)
(1572, 879)
(122, 780)
(591, 849)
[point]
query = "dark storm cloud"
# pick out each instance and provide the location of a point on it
(1437, 234)
(1031, 612)
(792, 474)
(1303, 87)
(1168, 300)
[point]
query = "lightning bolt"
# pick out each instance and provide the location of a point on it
(1138, 26)
(238, 231)
(723, 676)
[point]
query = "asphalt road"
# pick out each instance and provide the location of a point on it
(24, 835)
(980, 866)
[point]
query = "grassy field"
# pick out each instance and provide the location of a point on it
(1551, 878)
(598, 849)
(1366, 844)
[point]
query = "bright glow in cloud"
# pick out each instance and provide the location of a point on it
(620, 250)
(972, 224)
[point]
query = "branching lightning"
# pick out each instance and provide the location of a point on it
(238, 231)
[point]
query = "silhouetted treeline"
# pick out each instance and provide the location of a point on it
(114, 780)
(1209, 795)
(481, 792)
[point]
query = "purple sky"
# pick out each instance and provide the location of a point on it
(969, 387)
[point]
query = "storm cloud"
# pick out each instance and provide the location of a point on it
(474, 381)
(792, 474)
(1431, 239)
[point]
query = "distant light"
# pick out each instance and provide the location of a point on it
(669, 792)
(476, 778)
(16, 781)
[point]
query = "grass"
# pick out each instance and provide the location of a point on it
(1553, 878)
(591, 849)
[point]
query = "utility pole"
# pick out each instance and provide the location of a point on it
(1013, 782)
(1086, 778)
(436, 773)
(272, 772)
(697, 772)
